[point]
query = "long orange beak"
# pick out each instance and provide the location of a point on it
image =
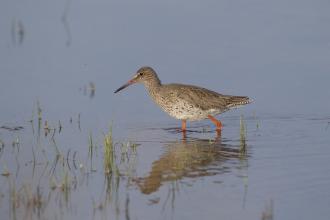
(125, 85)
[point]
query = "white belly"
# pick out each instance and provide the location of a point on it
(186, 111)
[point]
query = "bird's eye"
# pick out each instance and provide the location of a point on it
(140, 74)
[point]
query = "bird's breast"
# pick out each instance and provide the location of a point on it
(179, 108)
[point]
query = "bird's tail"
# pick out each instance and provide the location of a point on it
(236, 101)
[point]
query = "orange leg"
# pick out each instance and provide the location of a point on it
(184, 125)
(216, 122)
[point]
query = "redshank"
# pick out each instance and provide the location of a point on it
(186, 102)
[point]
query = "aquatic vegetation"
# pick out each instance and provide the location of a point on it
(91, 149)
(12, 128)
(32, 200)
(256, 120)
(242, 136)
(89, 89)
(46, 128)
(13, 200)
(2, 145)
(65, 22)
(39, 111)
(16, 142)
(267, 214)
(52, 183)
(17, 32)
(39, 116)
(59, 126)
(109, 154)
(78, 121)
(90, 145)
(5, 171)
(92, 89)
(27, 200)
(66, 186)
(116, 161)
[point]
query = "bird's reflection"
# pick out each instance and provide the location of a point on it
(189, 158)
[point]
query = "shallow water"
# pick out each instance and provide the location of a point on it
(158, 174)
(62, 60)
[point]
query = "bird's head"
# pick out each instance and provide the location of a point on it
(143, 75)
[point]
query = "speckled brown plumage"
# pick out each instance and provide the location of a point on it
(186, 102)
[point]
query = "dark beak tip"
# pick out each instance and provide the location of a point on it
(123, 87)
(117, 91)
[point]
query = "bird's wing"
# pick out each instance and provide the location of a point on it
(199, 97)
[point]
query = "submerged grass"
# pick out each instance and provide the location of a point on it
(66, 186)
(78, 121)
(39, 111)
(16, 142)
(33, 201)
(59, 126)
(2, 146)
(90, 145)
(13, 200)
(26, 199)
(256, 119)
(242, 137)
(268, 213)
(5, 171)
(91, 150)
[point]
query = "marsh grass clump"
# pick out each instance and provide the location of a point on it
(91, 149)
(109, 154)
(242, 136)
(27, 199)
(111, 173)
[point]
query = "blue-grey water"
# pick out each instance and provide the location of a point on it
(67, 57)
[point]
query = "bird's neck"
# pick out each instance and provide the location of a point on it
(153, 84)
